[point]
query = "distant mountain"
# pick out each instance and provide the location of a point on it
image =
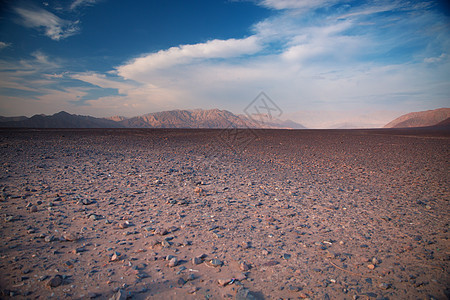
(213, 118)
(266, 121)
(199, 118)
(445, 123)
(420, 119)
(62, 120)
(116, 118)
(12, 119)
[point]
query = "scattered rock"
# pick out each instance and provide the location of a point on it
(286, 256)
(9, 219)
(223, 282)
(196, 260)
(160, 231)
(123, 225)
(70, 237)
(55, 281)
(87, 202)
(115, 257)
(244, 294)
(119, 295)
(173, 262)
(384, 286)
(49, 238)
(270, 263)
(244, 266)
(215, 263)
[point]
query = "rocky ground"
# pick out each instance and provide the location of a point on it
(213, 214)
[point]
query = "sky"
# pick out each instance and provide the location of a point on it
(325, 63)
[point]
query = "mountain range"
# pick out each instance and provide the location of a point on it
(198, 118)
(437, 117)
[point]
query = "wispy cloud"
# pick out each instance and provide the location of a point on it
(4, 45)
(79, 3)
(186, 54)
(296, 4)
(53, 26)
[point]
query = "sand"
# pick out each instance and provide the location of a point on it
(214, 214)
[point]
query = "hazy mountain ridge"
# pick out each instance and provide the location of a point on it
(62, 120)
(198, 118)
(12, 119)
(421, 119)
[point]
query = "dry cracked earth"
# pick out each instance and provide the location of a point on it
(214, 214)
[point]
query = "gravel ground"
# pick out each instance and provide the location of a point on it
(218, 214)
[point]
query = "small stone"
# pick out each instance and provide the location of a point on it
(34, 208)
(215, 263)
(196, 260)
(119, 295)
(161, 231)
(93, 217)
(169, 257)
(190, 277)
(246, 245)
(198, 190)
(87, 202)
(292, 288)
(223, 282)
(55, 281)
(115, 256)
(70, 237)
(371, 266)
(244, 294)
(270, 263)
(243, 266)
(181, 281)
(48, 238)
(92, 295)
(384, 286)
(173, 262)
(9, 218)
(78, 250)
(123, 225)
(192, 290)
(166, 244)
(286, 256)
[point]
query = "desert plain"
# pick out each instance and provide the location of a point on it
(224, 214)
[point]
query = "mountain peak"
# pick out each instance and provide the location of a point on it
(420, 119)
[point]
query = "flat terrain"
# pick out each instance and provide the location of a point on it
(216, 214)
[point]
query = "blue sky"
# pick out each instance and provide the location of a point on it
(324, 62)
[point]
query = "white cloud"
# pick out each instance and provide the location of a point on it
(184, 54)
(101, 80)
(4, 45)
(435, 59)
(53, 26)
(296, 4)
(78, 3)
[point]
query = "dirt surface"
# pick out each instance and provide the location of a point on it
(214, 214)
